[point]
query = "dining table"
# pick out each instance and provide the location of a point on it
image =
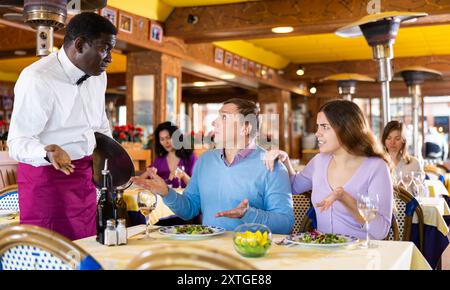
(386, 255)
(436, 228)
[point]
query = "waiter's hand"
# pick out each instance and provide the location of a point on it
(155, 184)
(59, 159)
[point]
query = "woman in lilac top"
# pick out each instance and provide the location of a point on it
(171, 165)
(350, 162)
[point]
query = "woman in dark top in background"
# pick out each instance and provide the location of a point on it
(170, 164)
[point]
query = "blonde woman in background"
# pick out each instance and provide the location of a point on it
(394, 143)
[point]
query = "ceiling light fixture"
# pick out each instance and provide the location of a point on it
(284, 29)
(313, 90)
(20, 52)
(300, 71)
(199, 84)
(227, 76)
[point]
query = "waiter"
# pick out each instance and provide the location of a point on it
(59, 104)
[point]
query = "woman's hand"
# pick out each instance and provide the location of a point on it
(330, 199)
(270, 157)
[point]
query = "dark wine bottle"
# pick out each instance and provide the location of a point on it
(105, 206)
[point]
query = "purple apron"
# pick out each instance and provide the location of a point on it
(63, 203)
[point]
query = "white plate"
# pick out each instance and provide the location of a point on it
(7, 212)
(171, 231)
(293, 240)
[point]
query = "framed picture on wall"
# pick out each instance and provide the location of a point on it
(126, 23)
(228, 59)
(111, 14)
(251, 68)
(218, 55)
(156, 32)
(258, 70)
(7, 103)
(236, 62)
(270, 73)
(264, 72)
(244, 65)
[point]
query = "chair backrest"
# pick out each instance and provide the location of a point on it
(433, 172)
(186, 257)
(405, 208)
(394, 232)
(9, 198)
(8, 176)
(27, 247)
(302, 203)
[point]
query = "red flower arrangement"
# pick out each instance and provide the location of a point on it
(127, 133)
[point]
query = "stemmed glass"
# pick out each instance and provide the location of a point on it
(147, 202)
(419, 184)
(179, 172)
(368, 208)
(407, 179)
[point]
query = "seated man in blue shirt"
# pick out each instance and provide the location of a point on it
(231, 186)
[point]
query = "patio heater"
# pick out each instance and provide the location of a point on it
(46, 17)
(414, 77)
(346, 83)
(380, 31)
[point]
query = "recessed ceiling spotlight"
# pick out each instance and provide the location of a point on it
(283, 29)
(20, 52)
(227, 76)
(199, 84)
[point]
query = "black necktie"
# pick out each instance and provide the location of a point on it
(82, 79)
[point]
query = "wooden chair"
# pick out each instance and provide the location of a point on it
(406, 206)
(9, 198)
(141, 158)
(433, 172)
(302, 203)
(28, 247)
(394, 232)
(186, 257)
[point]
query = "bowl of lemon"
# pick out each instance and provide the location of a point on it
(252, 240)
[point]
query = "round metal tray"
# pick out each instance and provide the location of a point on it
(120, 164)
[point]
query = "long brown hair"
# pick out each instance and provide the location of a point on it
(392, 126)
(351, 128)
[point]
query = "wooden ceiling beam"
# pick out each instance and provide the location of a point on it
(397, 88)
(252, 20)
(316, 71)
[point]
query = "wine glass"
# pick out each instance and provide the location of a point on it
(367, 208)
(407, 179)
(147, 202)
(179, 173)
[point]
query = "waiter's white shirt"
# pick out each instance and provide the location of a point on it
(49, 108)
